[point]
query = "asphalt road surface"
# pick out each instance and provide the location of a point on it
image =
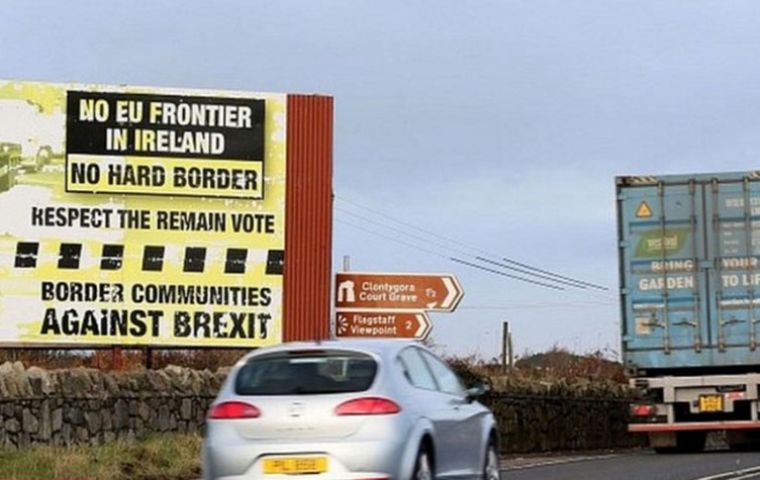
(642, 465)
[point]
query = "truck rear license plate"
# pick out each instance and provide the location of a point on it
(710, 403)
(295, 465)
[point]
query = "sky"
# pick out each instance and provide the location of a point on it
(489, 127)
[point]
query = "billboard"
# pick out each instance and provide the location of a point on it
(141, 216)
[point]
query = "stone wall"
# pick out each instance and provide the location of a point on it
(541, 414)
(542, 423)
(64, 407)
(75, 406)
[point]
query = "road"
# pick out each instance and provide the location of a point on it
(643, 465)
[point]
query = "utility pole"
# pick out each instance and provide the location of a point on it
(506, 347)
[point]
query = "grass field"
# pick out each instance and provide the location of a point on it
(160, 457)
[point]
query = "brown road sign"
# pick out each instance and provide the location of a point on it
(377, 324)
(410, 291)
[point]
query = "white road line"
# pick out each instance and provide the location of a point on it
(746, 477)
(561, 461)
(746, 472)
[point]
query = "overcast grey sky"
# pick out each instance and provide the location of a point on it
(500, 124)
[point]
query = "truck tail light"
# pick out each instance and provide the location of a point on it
(643, 410)
(368, 406)
(233, 411)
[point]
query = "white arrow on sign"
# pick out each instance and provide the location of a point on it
(425, 326)
(454, 293)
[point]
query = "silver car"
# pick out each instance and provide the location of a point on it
(370, 410)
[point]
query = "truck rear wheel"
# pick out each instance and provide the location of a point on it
(743, 440)
(685, 442)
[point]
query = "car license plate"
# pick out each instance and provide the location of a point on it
(710, 403)
(295, 465)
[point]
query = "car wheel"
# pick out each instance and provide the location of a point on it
(491, 467)
(423, 467)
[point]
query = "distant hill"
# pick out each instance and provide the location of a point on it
(562, 363)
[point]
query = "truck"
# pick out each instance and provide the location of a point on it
(689, 260)
(39, 135)
(10, 155)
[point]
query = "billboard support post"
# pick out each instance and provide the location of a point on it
(148, 358)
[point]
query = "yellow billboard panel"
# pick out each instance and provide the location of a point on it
(141, 216)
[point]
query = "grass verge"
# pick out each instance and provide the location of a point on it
(159, 457)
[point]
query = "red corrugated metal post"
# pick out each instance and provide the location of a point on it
(308, 218)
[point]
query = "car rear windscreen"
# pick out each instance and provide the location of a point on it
(306, 373)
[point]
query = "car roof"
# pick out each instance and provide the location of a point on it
(382, 347)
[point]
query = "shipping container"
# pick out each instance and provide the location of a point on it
(689, 271)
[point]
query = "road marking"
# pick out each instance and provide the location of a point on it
(561, 461)
(746, 473)
(746, 477)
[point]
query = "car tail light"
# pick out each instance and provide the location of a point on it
(643, 410)
(233, 410)
(368, 406)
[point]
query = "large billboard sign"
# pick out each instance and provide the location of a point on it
(141, 216)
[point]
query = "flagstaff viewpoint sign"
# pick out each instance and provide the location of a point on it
(394, 324)
(141, 216)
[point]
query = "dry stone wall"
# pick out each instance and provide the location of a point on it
(543, 423)
(75, 406)
(87, 406)
(543, 416)
(556, 414)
